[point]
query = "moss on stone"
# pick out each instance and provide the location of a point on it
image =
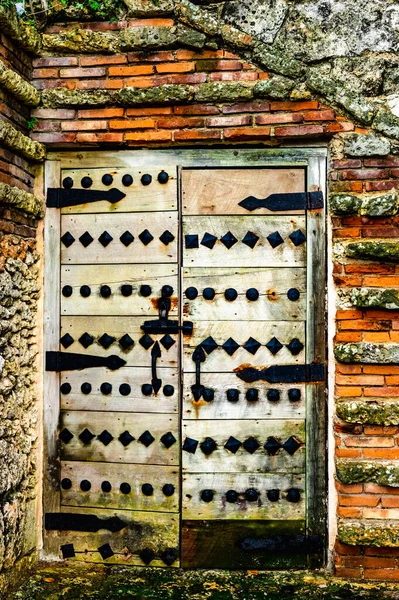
(63, 98)
(20, 143)
(197, 17)
(24, 34)
(223, 92)
(235, 38)
(18, 87)
(190, 37)
(133, 38)
(365, 534)
(349, 472)
(149, 8)
(372, 412)
(375, 298)
(276, 87)
(166, 94)
(82, 41)
(385, 251)
(370, 205)
(344, 204)
(278, 62)
(359, 144)
(386, 123)
(367, 352)
(18, 198)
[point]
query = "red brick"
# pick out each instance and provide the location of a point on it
(290, 106)
(282, 117)
(364, 174)
(389, 502)
(180, 122)
(348, 391)
(154, 57)
(149, 136)
(344, 549)
(196, 109)
(156, 22)
(83, 73)
(300, 130)
(391, 453)
(349, 512)
(234, 121)
(99, 113)
(348, 453)
(381, 281)
(198, 134)
(380, 232)
(54, 113)
(348, 314)
(132, 124)
(349, 369)
(384, 574)
(218, 65)
(359, 379)
(53, 138)
(370, 562)
(92, 61)
(358, 500)
(369, 269)
(244, 107)
(84, 125)
(234, 76)
(391, 161)
(349, 336)
(347, 163)
(363, 441)
(366, 324)
(175, 67)
(130, 71)
(355, 488)
(44, 73)
(199, 54)
(346, 232)
(247, 133)
(381, 186)
(348, 573)
(150, 111)
(385, 391)
(99, 137)
(337, 127)
(372, 488)
(55, 61)
(319, 115)
(348, 280)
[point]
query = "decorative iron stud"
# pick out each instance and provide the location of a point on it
(273, 395)
(67, 239)
(127, 180)
(191, 293)
(168, 390)
(85, 291)
(167, 291)
(147, 489)
(167, 341)
(273, 495)
(66, 436)
(125, 488)
(106, 341)
(190, 445)
(68, 551)
(67, 340)
(207, 495)
(251, 495)
(228, 240)
(66, 484)
(86, 340)
(145, 291)
(295, 346)
(272, 446)
(85, 388)
(105, 551)
(106, 388)
(86, 182)
(167, 237)
(191, 241)
(146, 179)
(252, 346)
(168, 439)
(146, 389)
(147, 555)
(294, 395)
(169, 556)
(105, 239)
(275, 239)
(293, 294)
(86, 239)
(126, 342)
(250, 239)
(67, 291)
(297, 237)
(208, 395)
(252, 294)
(209, 345)
(125, 438)
(208, 293)
(124, 389)
(106, 487)
(230, 346)
(231, 294)
(65, 388)
(208, 446)
(67, 183)
(107, 179)
(209, 240)
(146, 439)
(105, 291)
(252, 395)
(274, 346)
(231, 496)
(105, 437)
(233, 395)
(126, 290)
(291, 445)
(251, 445)
(168, 490)
(293, 495)
(233, 445)
(127, 238)
(86, 436)
(85, 485)
(146, 237)
(163, 177)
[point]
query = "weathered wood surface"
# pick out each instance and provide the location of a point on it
(135, 475)
(241, 331)
(272, 285)
(224, 461)
(219, 191)
(116, 225)
(135, 401)
(139, 198)
(157, 531)
(241, 255)
(219, 508)
(116, 327)
(115, 276)
(221, 408)
(136, 424)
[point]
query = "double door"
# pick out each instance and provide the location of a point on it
(186, 370)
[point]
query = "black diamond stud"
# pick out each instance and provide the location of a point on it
(67, 291)
(191, 241)
(274, 346)
(86, 182)
(106, 388)
(169, 556)
(208, 293)
(126, 342)
(65, 388)
(252, 395)
(67, 340)
(297, 237)
(208, 446)
(163, 177)
(251, 445)
(86, 436)
(168, 439)
(86, 340)
(146, 389)
(125, 488)
(272, 446)
(275, 239)
(85, 388)
(209, 240)
(106, 341)
(293, 495)
(127, 238)
(233, 445)
(252, 294)
(66, 484)
(293, 294)
(146, 179)
(252, 346)
(105, 551)
(147, 555)
(107, 179)
(231, 496)
(295, 346)
(105, 239)
(105, 437)
(66, 436)
(191, 293)
(168, 390)
(126, 290)
(190, 445)
(228, 240)
(127, 180)
(67, 239)
(105, 291)
(273, 495)
(146, 237)
(291, 445)
(106, 487)
(168, 490)
(251, 495)
(167, 237)
(67, 551)
(147, 489)
(67, 183)
(231, 294)
(233, 395)
(146, 341)
(230, 346)
(124, 389)
(294, 395)
(85, 291)
(167, 341)
(125, 438)
(85, 485)
(86, 239)
(207, 495)
(273, 395)
(146, 439)
(209, 345)
(145, 290)
(208, 395)
(250, 239)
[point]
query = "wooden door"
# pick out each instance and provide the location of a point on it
(184, 411)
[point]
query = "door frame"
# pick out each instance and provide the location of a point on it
(314, 160)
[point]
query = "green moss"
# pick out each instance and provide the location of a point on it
(132, 38)
(165, 94)
(223, 92)
(375, 298)
(372, 412)
(383, 251)
(344, 204)
(81, 40)
(18, 198)
(349, 472)
(196, 17)
(96, 10)
(275, 87)
(387, 123)
(20, 143)
(278, 62)
(361, 534)
(63, 98)
(370, 205)
(366, 352)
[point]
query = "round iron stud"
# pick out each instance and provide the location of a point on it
(231, 294)
(293, 294)
(168, 390)
(85, 388)
(86, 182)
(163, 177)
(105, 291)
(145, 290)
(251, 495)
(67, 183)
(125, 488)
(208, 293)
(293, 495)
(208, 395)
(127, 180)
(67, 291)
(191, 293)
(65, 388)
(106, 487)
(146, 179)
(252, 395)
(207, 495)
(85, 291)
(107, 179)
(273, 395)
(106, 388)
(294, 395)
(126, 290)
(147, 489)
(146, 389)
(125, 389)
(252, 294)
(167, 291)
(66, 484)
(232, 395)
(273, 495)
(231, 496)
(85, 485)
(168, 489)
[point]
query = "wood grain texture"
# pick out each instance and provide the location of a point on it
(224, 461)
(135, 401)
(272, 285)
(115, 276)
(134, 475)
(219, 508)
(116, 225)
(139, 198)
(241, 255)
(219, 191)
(136, 424)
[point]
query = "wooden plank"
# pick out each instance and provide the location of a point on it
(194, 508)
(135, 475)
(139, 198)
(241, 255)
(113, 400)
(221, 408)
(116, 225)
(115, 276)
(222, 460)
(241, 331)
(116, 327)
(271, 284)
(156, 531)
(135, 424)
(219, 191)
(254, 545)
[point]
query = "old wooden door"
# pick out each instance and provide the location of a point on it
(188, 372)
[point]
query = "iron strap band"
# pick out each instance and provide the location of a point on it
(285, 202)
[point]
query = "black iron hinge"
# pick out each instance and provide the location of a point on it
(60, 198)
(312, 373)
(81, 522)
(69, 361)
(285, 202)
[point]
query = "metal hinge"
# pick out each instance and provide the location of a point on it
(76, 522)
(68, 361)
(312, 373)
(60, 198)
(285, 202)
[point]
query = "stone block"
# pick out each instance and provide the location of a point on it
(357, 144)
